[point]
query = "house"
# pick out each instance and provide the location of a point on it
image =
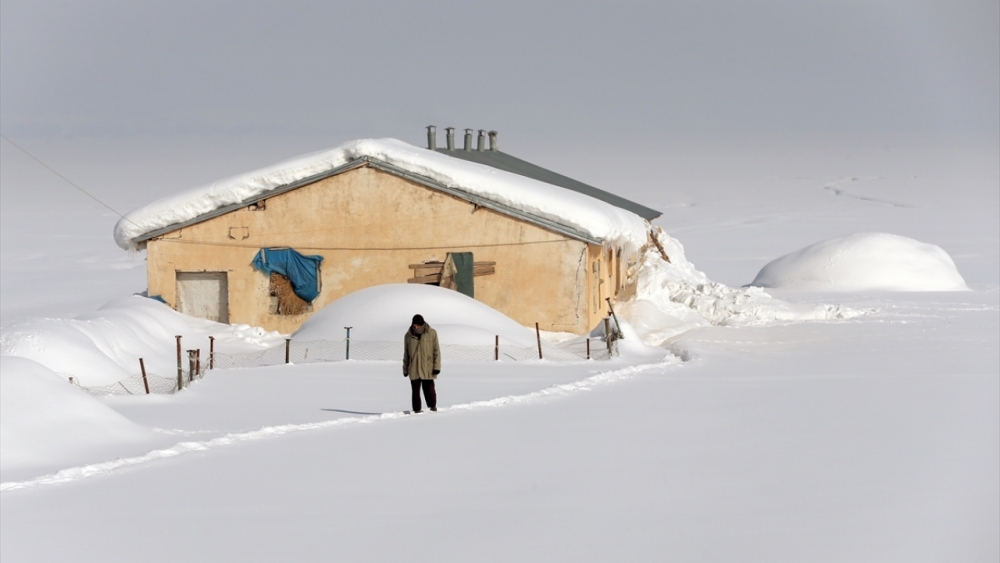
(270, 247)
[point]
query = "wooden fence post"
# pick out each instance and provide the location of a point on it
(180, 366)
(618, 326)
(191, 365)
(347, 352)
(588, 348)
(496, 349)
(145, 382)
(211, 352)
(538, 337)
(288, 349)
(197, 361)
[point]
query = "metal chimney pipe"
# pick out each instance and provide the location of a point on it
(494, 144)
(431, 137)
(450, 138)
(481, 142)
(468, 139)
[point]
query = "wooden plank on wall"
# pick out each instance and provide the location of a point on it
(423, 274)
(440, 265)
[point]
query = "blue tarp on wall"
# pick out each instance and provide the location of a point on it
(302, 271)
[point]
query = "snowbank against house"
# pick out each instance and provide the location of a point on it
(601, 220)
(45, 420)
(104, 347)
(674, 297)
(864, 262)
(383, 314)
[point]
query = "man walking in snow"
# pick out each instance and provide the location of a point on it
(421, 361)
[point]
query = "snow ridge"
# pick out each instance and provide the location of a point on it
(108, 467)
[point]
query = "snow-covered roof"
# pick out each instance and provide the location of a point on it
(567, 211)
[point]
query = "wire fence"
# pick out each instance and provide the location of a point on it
(138, 384)
(316, 351)
(134, 386)
(320, 351)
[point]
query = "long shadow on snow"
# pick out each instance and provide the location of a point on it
(352, 412)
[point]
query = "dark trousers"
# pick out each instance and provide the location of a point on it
(429, 393)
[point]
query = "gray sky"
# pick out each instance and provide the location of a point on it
(613, 69)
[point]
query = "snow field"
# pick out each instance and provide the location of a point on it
(671, 298)
(75, 473)
(870, 437)
(768, 433)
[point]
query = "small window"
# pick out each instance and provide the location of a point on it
(294, 279)
(283, 298)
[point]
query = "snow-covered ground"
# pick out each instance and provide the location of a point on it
(772, 425)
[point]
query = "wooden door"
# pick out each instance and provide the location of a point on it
(204, 294)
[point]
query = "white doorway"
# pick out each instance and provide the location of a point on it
(204, 294)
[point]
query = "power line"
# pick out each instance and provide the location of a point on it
(67, 180)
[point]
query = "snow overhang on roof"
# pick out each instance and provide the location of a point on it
(568, 212)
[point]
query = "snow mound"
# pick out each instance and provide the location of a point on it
(592, 216)
(674, 297)
(383, 313)
(104, 346)
(864, 262)
(44, 420)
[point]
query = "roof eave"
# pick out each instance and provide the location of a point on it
(388, 168)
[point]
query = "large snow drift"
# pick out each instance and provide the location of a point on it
(383, 314)
(674, 297)
(104, 347)
(597, 218)
(44, 419)
(864, 262)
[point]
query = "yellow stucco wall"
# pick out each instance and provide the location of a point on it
(370, 226)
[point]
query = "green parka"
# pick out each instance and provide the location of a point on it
(421, 355)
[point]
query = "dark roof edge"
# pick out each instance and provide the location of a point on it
(388, 168)
(512, 164)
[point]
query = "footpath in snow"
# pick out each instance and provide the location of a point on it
(75, 473)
